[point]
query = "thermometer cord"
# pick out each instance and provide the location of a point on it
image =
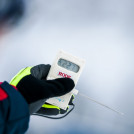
(101, 104)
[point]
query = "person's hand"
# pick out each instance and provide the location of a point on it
(32, 84)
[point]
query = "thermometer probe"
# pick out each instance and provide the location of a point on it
(116, 111)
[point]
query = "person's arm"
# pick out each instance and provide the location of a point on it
(32, 87)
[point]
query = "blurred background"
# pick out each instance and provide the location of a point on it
(99, 31)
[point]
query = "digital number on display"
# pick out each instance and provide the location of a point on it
(68, 65)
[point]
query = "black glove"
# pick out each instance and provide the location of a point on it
(34, 89)
(34, 86)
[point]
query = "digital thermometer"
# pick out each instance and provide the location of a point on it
(65, 66)
(69, 66)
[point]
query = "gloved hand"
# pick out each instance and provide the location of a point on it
(32, 84)
(48, 109)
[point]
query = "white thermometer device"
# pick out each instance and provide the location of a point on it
(65, 66)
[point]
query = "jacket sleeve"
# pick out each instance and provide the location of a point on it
(14, 112)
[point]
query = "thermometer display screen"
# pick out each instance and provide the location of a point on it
(68, 65)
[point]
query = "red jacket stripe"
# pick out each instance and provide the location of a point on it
(3, 94)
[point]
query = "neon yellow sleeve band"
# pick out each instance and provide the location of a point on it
(50, 106)
(22, 73)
